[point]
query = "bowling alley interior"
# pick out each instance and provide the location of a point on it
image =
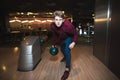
(26, 39)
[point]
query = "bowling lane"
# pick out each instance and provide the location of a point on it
(84, 65)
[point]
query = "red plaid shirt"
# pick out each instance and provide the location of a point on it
(61, 33)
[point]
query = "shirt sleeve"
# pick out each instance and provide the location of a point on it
(54, 36)
(75, 35)
(72, 31)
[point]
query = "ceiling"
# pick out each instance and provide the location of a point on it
(78, 7)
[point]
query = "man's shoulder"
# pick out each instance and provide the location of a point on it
(67, 22)
(52, 25)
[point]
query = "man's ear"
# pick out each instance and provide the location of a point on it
(63, 20)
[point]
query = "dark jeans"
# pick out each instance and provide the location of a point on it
(66, 51)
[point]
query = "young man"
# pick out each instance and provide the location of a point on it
(64, 34)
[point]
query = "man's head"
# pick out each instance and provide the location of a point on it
(59, 18)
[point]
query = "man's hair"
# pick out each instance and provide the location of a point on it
(59, 13)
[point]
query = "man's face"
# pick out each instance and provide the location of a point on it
(58, 21)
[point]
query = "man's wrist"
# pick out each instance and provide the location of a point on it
(73, 42)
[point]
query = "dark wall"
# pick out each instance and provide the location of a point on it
(114, 59)
(4, 22)
(107, 34)
(101, 31)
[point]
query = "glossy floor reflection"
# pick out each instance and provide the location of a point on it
(84, 65)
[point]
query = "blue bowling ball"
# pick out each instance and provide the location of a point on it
(53, 51)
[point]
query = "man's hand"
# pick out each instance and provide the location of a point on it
(53, 45)
(72, 45)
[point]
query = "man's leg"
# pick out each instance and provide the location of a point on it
(63, 50)
(68, 58)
